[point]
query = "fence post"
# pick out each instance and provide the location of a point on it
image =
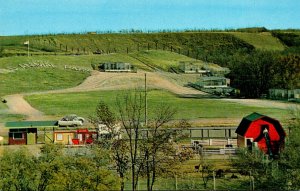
(175, 182)
(214, 175)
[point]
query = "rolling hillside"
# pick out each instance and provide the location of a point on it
(193, 44)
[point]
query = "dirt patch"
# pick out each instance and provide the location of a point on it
(119, 81)
(17, 105)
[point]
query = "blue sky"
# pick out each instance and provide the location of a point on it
(19, 17)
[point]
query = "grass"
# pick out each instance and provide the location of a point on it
(43, 79)
(121, 43)
(85, 103)
(161, 59)
(264, 41)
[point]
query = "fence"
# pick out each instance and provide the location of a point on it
(214, 142)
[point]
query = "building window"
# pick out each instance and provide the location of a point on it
(18, 136)
(59, 137)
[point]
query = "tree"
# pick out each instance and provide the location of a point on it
(17, 170)
(253, 73)
(48, 165)
(131, 109)
(287, 72)
(1, 51)
(145, 148)
(118, 148)
(56, 169)
(150, 149)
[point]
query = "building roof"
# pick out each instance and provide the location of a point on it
(210, 78)
(30, 124)
(246, 122)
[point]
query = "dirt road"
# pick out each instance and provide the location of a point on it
(17, 105)
(101, 81)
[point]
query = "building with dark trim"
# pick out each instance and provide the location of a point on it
(262, 131)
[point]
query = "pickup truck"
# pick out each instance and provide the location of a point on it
(71, 120)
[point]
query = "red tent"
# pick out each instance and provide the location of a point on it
(262, 130)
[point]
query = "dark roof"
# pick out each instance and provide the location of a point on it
(254, 116)
(246, 121)
(27, 124)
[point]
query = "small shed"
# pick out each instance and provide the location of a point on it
(214, 82)
(115, 67)
(193, 68)
(25, 132)
(262, 131)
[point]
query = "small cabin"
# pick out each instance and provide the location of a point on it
(257, 130)
(25, 132)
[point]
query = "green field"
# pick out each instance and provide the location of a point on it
(263, 41)
(188, 108)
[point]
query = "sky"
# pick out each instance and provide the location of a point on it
(22, 17)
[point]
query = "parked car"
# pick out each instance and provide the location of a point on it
(71, 120)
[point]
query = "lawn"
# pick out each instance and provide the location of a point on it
(188, 108)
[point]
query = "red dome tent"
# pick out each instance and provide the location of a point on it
(263, 131)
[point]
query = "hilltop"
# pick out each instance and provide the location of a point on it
(193, 44)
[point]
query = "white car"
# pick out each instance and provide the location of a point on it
(71, 120)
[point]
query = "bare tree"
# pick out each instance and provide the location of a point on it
(118, 147)
(131, 109)
(144, 150)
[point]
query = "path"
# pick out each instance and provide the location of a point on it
(100, 81)
(17, 105)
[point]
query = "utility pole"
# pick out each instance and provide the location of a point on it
(146, 105)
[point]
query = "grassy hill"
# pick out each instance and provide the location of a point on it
(263, 41)
(190, 43)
